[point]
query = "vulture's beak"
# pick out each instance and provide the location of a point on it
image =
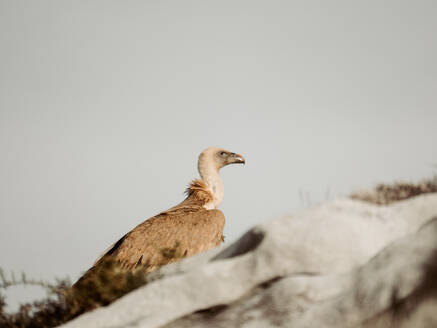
(236, 159)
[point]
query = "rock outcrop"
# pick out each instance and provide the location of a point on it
(344, 263)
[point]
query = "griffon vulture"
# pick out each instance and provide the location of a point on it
(193, 226)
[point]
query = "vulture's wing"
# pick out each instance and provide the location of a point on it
(167, 237)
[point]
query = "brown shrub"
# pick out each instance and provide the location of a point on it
(65, 303)
(385, 194)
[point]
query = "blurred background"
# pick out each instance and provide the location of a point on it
(105, 106)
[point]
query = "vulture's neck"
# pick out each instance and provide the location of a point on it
(210, 176)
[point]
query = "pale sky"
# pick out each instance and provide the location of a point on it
(105, 106)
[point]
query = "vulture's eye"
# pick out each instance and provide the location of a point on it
(223, 153)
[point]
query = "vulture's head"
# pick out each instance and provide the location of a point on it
(214, 157)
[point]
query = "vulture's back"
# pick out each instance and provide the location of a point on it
(167, 237)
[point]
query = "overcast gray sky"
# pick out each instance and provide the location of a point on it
(105, 106)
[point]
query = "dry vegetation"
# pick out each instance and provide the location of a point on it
(385, 194)
(64, 302)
